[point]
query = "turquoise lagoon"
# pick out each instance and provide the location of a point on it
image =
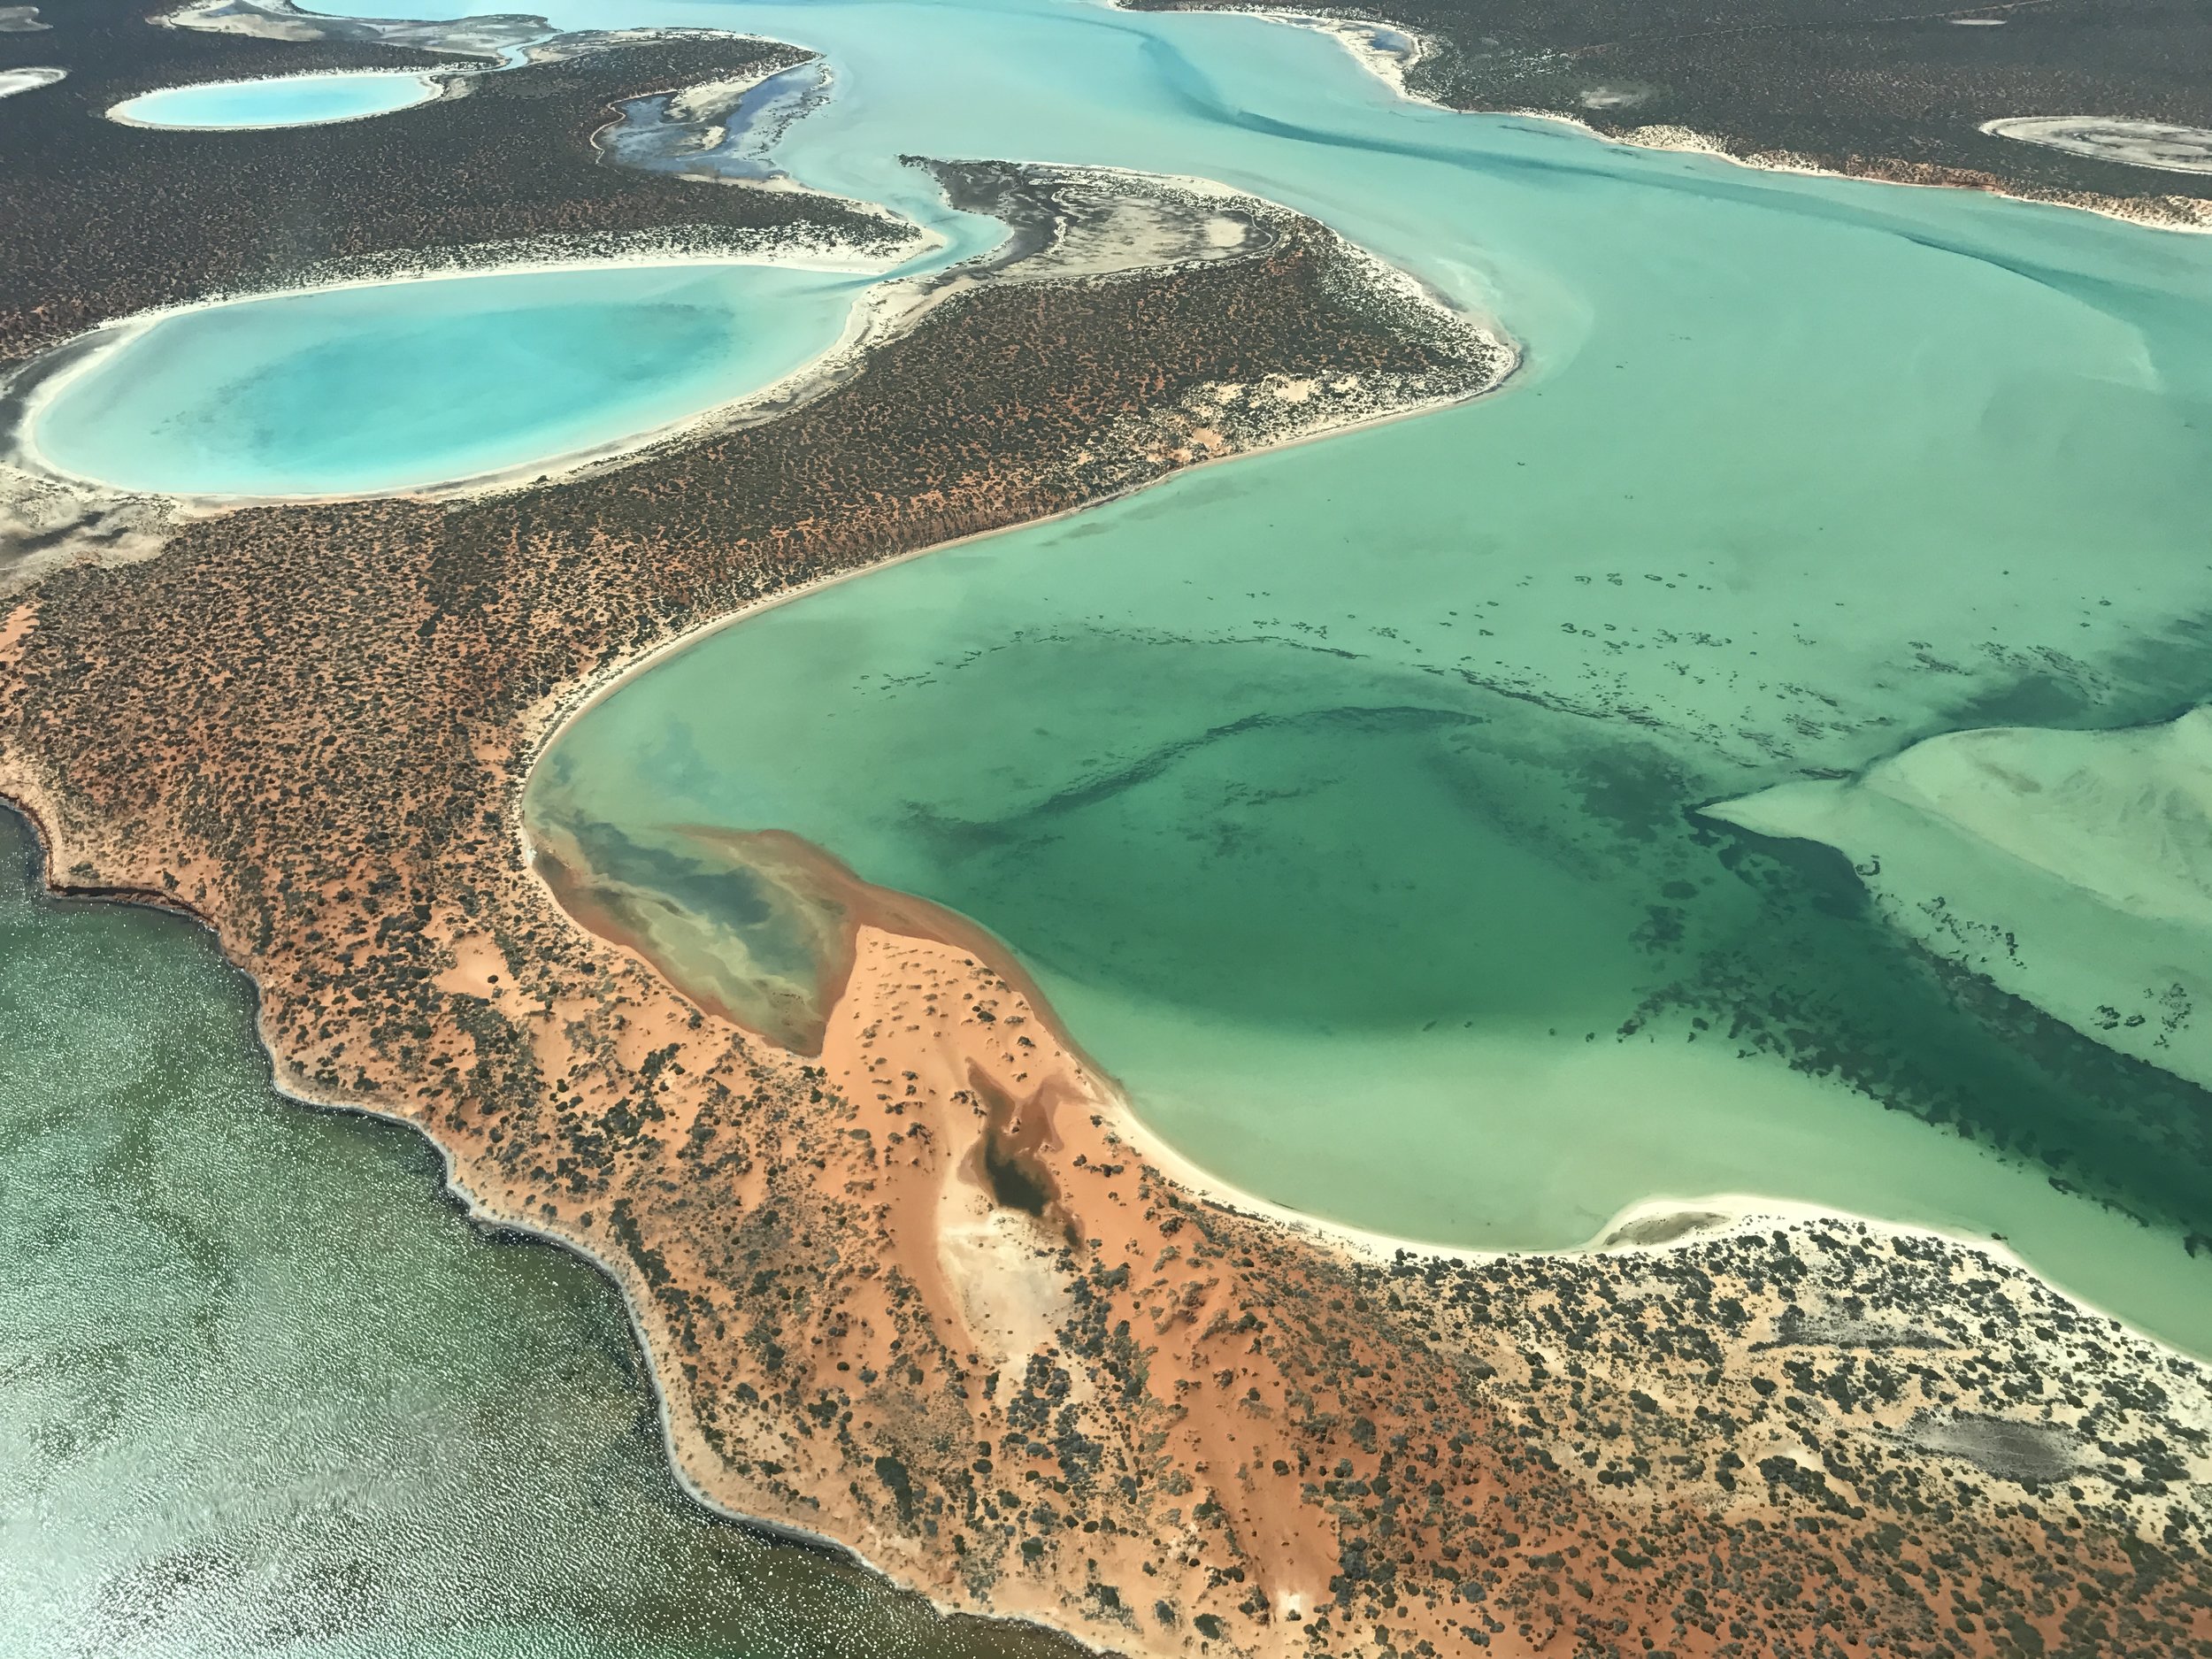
(264, 1391)
(411, 384)
(284, 101)
(1346, 799)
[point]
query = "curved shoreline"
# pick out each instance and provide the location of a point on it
(1735, 1212)
(1380, 1252)
(25, 394)
(1686, 141)
(490, 1217)
(1366, 405)
(482, 1214)
(25, 390)
(1393, 71)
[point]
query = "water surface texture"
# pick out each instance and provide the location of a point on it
(287, 101)
(408, 384)
(1345, 800)
(263, 1391)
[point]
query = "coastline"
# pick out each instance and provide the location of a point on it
(543, 725)
(1736, 1212)
(30, 384)
(1474, 361)
(1438, 1350)
(1393, 71)
(885, 309)
(1385, 1261)
(482, 1212)
(1685, 141)
(539, 727)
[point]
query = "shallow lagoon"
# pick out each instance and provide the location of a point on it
(283, 100)
(1345, 799)
(417, 383)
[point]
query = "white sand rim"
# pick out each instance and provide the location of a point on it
(796, 252)
(1361, 37)
(433, 82)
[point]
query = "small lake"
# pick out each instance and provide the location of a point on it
(412, 384)
(284, 100)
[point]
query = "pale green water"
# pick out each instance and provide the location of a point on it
(1343, 799)
(263, 1391)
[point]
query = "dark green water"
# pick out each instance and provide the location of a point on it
(264, 1390)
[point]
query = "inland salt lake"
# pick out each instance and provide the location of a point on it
(396, 386)
(279, 101)
(1345, 799)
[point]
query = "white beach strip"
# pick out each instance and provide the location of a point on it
(2188, 221)
(1707, 1217)
(1356, 32)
